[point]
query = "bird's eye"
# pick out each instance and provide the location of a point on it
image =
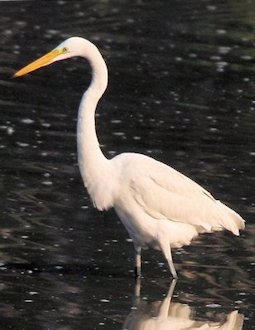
(65, 50)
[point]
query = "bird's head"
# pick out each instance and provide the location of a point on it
(69, 48)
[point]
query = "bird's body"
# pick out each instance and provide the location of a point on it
(160, 207)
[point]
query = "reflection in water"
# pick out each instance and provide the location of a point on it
(181, 90)
(163, 315)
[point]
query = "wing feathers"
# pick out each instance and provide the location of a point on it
(164, 193)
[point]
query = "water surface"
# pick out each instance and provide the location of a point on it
(181, 90)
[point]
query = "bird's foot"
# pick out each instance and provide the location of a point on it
(175, 276)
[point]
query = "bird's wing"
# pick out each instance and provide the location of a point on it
(165, 193)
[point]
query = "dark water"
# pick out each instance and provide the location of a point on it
(181, 90)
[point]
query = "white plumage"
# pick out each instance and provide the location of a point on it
(160, 207)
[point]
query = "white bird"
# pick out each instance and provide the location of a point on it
(160, 207)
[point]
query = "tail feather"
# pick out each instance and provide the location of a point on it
(231, 220)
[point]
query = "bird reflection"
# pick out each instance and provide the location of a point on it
(166, 315)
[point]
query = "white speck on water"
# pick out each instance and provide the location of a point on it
(116, 121)
(213, 129)
(27, 121)
(10, 130)
(47, 125)
(118, 133)
(224, 50)
(221, 65)
(59, 267)
(193, 55)
(161, 264)
(213, 305)
(104, 300)
(178, 59)
(47, 183)
(22, 144)
(112, 152)
(211, 7)
(221, 31)
(246, 57)
(215, 58)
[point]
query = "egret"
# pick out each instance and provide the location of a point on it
(159, 207)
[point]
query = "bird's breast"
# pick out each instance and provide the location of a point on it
(142, 228)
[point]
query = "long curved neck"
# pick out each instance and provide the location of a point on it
(90, 157)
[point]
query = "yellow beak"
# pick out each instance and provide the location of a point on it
(42, 61)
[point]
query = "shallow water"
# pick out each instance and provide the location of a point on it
(181, 89)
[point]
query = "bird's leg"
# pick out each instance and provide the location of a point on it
(166, 249)
(171, 265)
(138, 261)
